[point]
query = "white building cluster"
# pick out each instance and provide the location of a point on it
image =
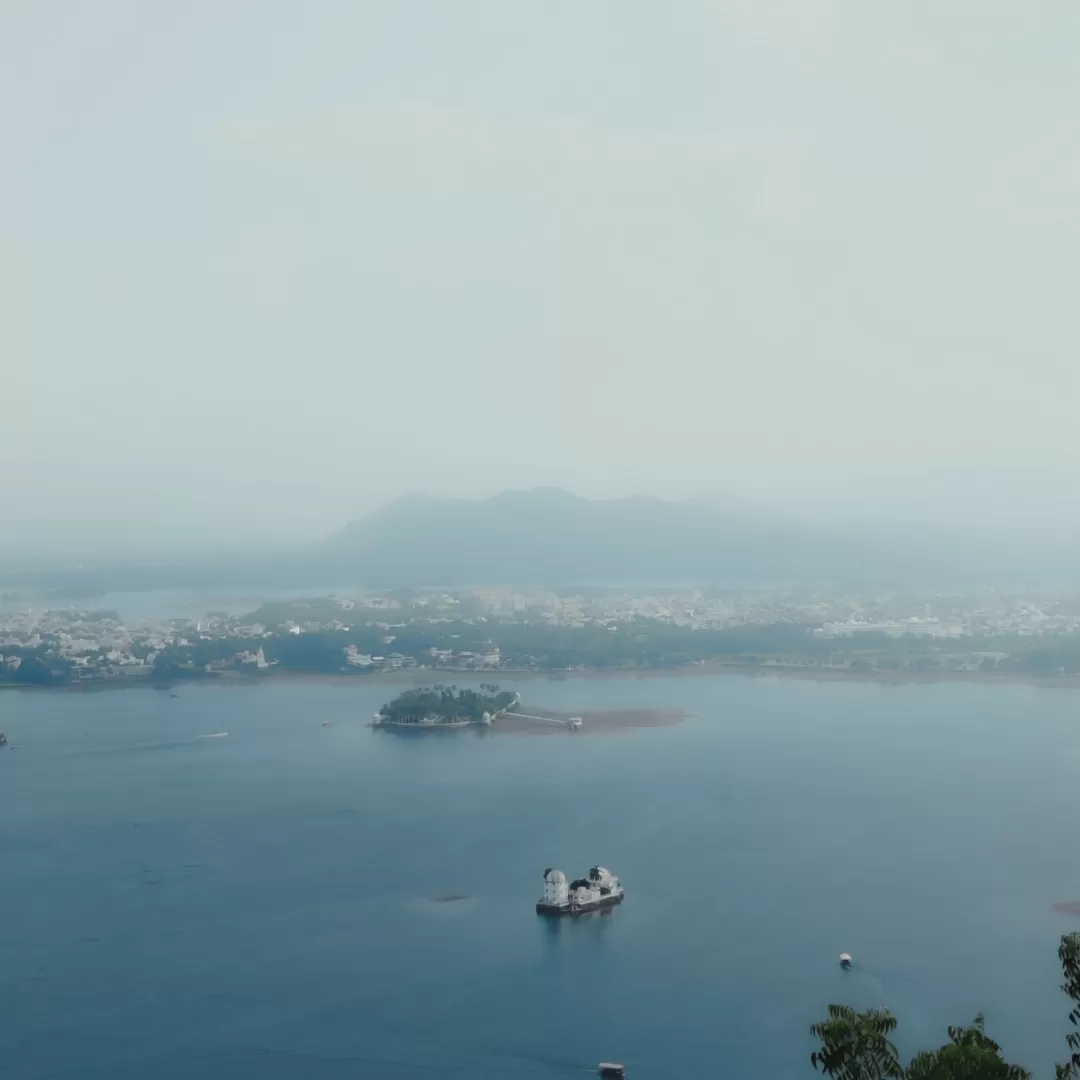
(598, 889)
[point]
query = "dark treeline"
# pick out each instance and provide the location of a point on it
(448, 703)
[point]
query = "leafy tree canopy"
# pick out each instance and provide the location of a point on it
(856, 1046)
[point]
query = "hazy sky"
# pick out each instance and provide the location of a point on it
(265, 264)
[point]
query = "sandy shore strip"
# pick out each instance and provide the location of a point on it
(593, 721)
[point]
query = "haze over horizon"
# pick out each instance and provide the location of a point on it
(263, 270)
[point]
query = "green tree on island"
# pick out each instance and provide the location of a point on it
(447, 704)
(856, 1046)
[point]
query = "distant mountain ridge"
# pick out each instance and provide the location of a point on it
(548, 535)
(551, 537)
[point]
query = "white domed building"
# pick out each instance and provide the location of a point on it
(600, 888)
(556, 890)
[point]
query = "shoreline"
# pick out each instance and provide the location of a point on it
(424, 676)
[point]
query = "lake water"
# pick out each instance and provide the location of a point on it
(263, 905)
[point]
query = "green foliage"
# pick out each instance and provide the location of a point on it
(447, 703)
(970, 1054)
(644, 643)
(1069, 955)
(200, 652)
(279, 613)
(34, 671)
(323, 651)
(167, 670)
(855, 1046)
(39, 667)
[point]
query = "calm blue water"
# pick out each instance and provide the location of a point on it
(261, 905)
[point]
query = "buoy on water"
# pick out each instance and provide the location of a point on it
(845, 960)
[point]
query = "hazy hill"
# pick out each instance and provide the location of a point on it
(549, 535)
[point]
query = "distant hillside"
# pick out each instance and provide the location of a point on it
(547, 535)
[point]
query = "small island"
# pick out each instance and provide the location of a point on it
(442, 707)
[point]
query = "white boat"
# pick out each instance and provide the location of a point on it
(215, 735)
(845, 960)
